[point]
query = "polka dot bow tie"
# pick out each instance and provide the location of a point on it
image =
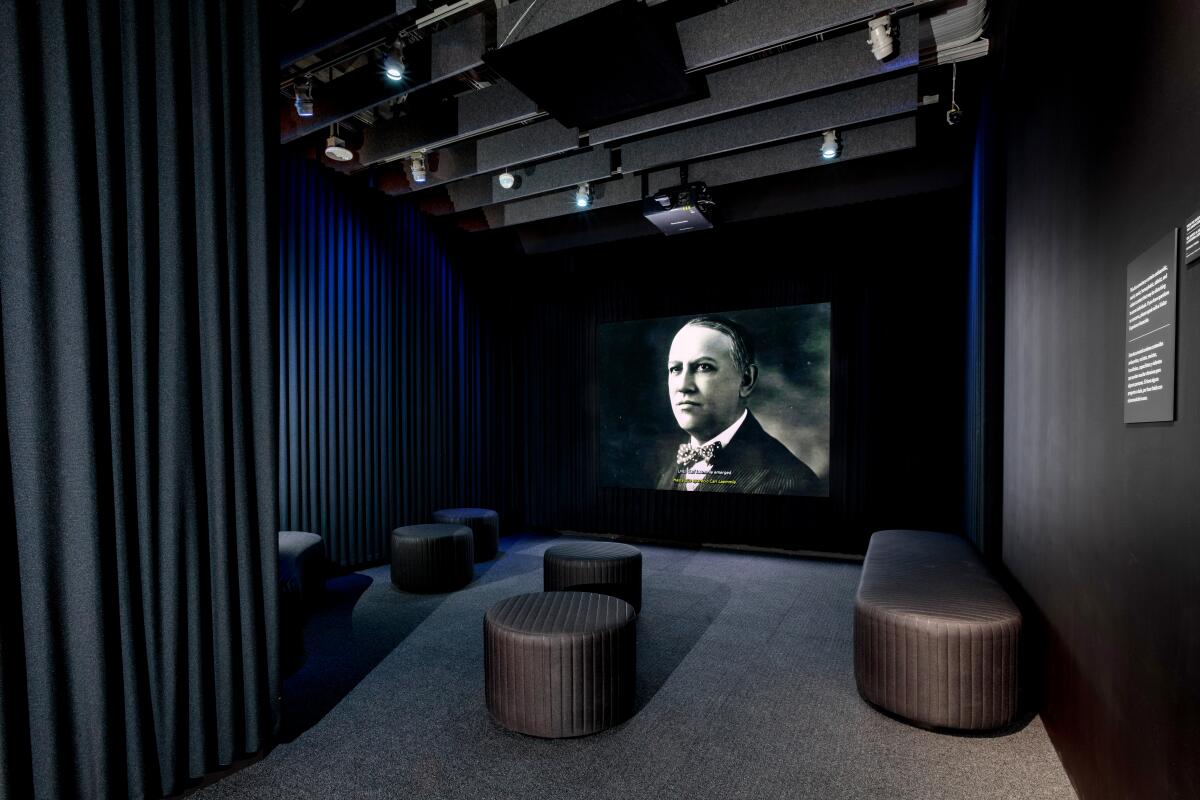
(689, 455)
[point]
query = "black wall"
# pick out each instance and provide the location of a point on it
(896, 274)
(1102, 520)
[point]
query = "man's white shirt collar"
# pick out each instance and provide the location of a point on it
(724, 436)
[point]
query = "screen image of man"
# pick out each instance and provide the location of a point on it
(711, 374)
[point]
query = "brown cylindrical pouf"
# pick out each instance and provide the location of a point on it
(606, 567)
(432, 558)
(560, 664)
(483, 522)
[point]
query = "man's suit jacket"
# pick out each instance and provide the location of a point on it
(757, 463)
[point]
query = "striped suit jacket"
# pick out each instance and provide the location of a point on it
(754, 462)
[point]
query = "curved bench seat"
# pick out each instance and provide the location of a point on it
(935, 636)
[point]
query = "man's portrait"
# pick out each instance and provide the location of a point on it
(735, 402)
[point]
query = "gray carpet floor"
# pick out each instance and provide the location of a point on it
(745, 690)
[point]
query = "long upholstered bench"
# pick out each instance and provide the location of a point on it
(935, 636)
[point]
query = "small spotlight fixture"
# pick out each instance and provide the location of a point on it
(336, 149)
(507, 180)
(393, 62)
(830, 146)
(304, 100)
(335, 146)
(583, 195)
(417, 166)
(880, 30)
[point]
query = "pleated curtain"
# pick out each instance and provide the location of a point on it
(388, 403)
(138, 516)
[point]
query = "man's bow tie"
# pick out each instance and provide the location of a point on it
(689, 455)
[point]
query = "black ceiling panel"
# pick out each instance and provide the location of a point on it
(757, 128)
(813, 67)
(750, 25)
(526, 143)
(615, 61)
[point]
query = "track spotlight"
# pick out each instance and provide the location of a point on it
(335, 146)
(507, 180)
(880, 30)
(417, 167)
(583, 195)
(304, 101)
(393, 62)
(830, 146)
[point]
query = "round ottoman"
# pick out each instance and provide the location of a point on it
(432, 558)
(301, 565)
(605, 567)
(560, 664)
(483, 522)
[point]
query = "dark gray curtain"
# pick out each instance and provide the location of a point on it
(138, 644)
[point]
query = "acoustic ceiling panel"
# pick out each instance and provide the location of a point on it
(750, 25)
(468, 115)
(617, 60)
(526, 143)
(459, 47)
(813, 67)
(492, 107)
(531, 17)
(404, 134)
(888, 98)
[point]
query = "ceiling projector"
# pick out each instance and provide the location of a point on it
(680, 209)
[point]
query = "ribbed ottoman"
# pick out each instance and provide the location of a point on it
(935, 636)
(432, 558)
(559, 664)
(483, 522)
(301, 565)
(605, 567)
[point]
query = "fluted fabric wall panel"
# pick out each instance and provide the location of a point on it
(383, 402)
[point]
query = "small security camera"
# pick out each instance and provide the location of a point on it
(953, 114)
